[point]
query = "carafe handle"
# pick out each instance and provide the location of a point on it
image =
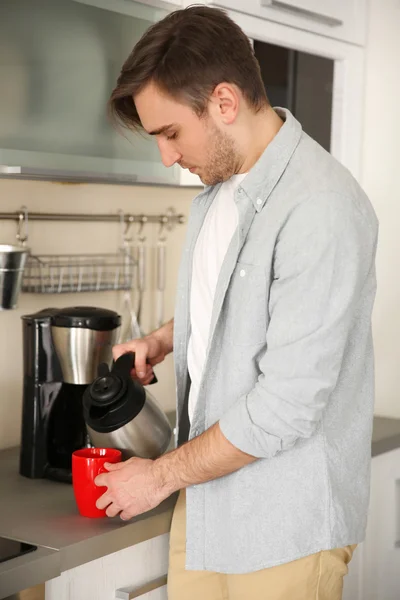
(125, 363)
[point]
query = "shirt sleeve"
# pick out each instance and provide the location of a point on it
(324, 266)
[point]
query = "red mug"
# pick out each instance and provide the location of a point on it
(87, 463)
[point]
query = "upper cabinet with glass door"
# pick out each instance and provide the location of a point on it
(340, 19)
(59, 61)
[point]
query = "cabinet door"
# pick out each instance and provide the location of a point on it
(345, 20)
(129, 569)
(60, 61)
(352, 584)
(380, 566)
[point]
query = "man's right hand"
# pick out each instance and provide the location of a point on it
(149, 350)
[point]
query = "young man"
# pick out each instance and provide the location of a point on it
(271, 335)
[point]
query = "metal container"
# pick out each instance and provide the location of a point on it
(148, 435)
(80, 351)
(83, 338)
(12, 263)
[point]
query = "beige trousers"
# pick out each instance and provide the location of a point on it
(315, 577)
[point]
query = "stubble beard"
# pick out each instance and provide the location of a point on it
(223, 158)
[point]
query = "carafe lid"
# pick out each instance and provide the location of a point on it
(88, 317)
(114, 398)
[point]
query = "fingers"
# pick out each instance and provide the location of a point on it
(113, 510)
(148, 376)
(142, 370)
(103, 501)
(120, 349)
(113, 466)
(101, 480)
(140, 361)
(125, 515)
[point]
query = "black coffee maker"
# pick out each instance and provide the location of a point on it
(62, 349)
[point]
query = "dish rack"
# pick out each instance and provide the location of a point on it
(70, 273)
(57, 274)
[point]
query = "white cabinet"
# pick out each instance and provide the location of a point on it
(375, 574)
(135, 572)
(352, 584)
(340, 19)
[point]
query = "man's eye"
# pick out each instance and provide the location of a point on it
(173, 136)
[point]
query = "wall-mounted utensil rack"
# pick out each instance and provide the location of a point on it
(169, 219)
(69, 273)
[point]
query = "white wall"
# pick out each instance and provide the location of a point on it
(63, 237)
(381, 180)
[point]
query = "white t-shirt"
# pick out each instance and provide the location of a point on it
(212, 243)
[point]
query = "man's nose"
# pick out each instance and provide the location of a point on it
(169, 156)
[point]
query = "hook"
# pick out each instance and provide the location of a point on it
(142, 220)
(125, 226)
(171, 218)
(22, 221)
(163, 223)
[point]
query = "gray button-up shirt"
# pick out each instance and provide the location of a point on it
(289, 369)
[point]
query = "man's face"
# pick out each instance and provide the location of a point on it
(194, 143)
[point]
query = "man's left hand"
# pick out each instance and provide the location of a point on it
(134, 487)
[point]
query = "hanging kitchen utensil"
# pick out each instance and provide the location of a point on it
(166, 224)
(130, 327)
(141, 271)
(12, 264)
(22, 230)
(161, 257)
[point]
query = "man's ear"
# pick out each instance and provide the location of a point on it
(224, 103)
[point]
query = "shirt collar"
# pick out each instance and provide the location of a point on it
(265, 174)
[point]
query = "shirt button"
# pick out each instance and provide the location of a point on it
(242, 273)
(259, 201)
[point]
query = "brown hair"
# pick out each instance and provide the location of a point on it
(187, 55)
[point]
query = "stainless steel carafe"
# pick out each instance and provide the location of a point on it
(120, 413)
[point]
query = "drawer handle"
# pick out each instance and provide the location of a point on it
(130, 593)
(303, 12)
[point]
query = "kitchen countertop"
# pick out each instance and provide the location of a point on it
(44, 513)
